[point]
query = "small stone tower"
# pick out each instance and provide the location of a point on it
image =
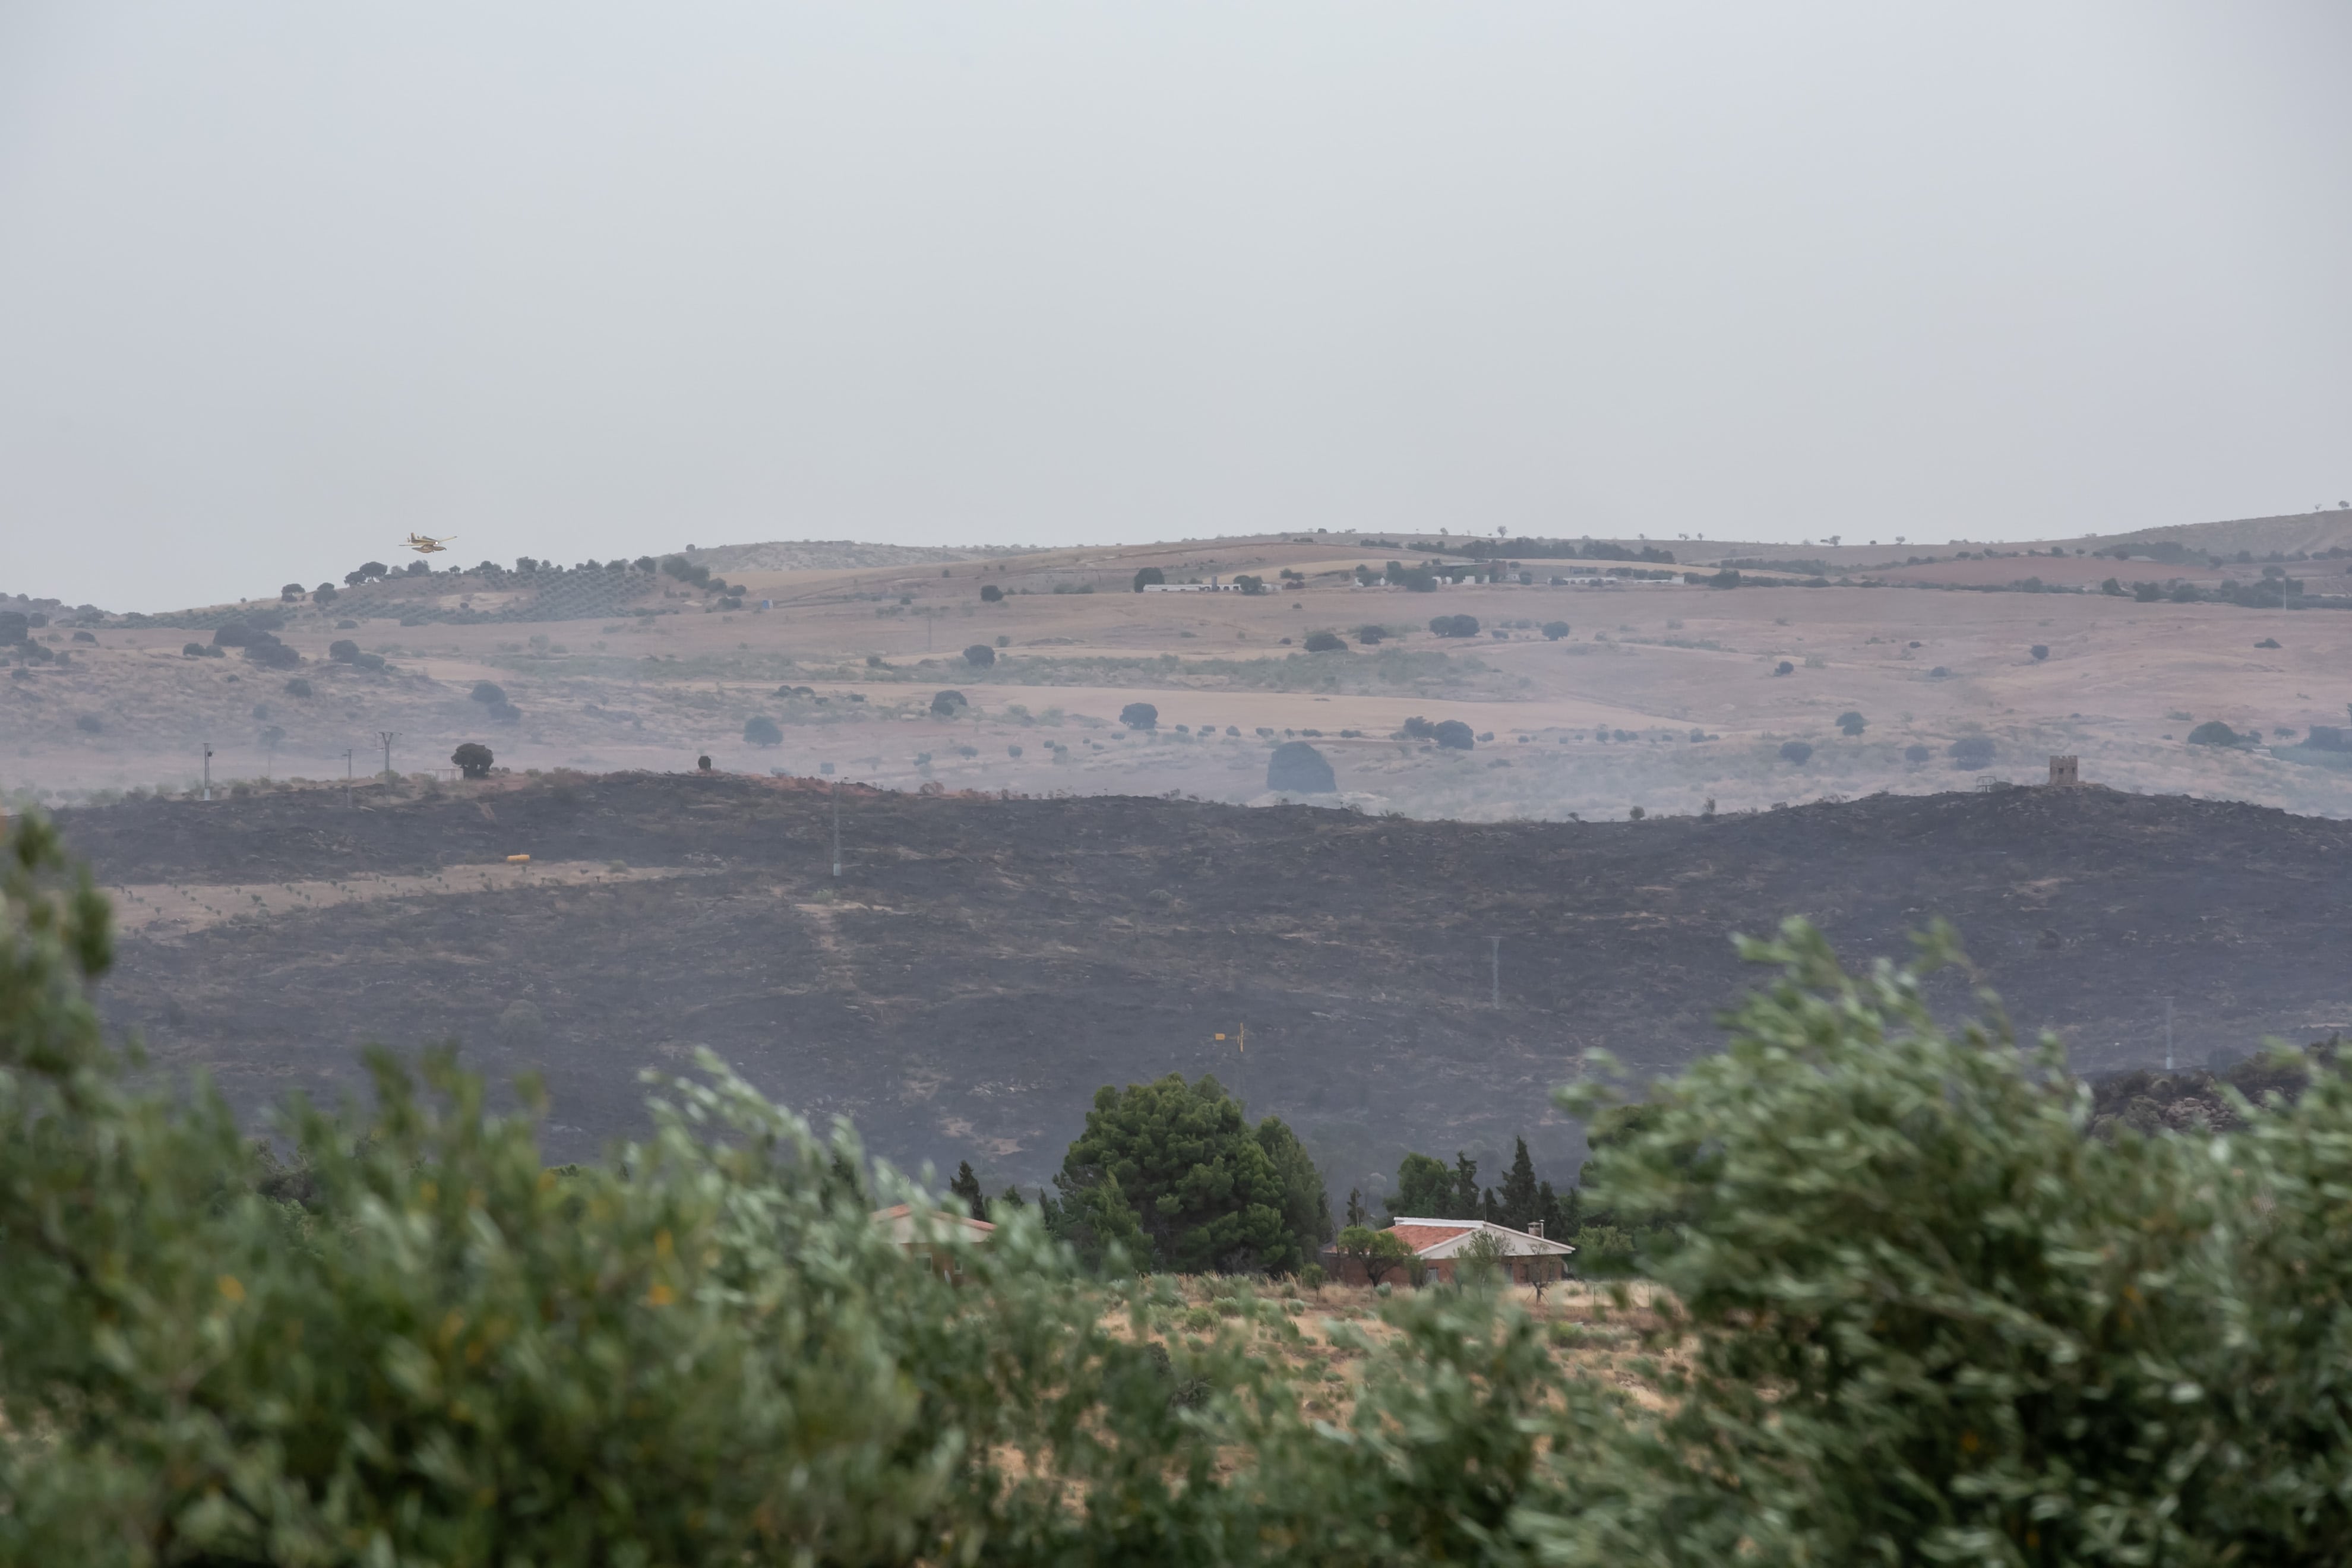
(2064, 772)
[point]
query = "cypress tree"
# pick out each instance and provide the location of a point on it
(1465, 1203)
(966, 1186)
(1520, 1206)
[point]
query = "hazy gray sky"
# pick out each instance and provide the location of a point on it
(282, 281)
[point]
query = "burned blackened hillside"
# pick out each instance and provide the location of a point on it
(985, 963)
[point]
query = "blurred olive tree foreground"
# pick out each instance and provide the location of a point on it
(1922, 1315)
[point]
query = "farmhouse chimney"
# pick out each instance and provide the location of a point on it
(1535, 1228)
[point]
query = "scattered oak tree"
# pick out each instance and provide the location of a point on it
(1379, 1253)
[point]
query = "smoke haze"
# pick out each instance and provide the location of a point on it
(280, 283)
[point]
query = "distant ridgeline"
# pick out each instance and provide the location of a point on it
(531, 590)
(1547, 549)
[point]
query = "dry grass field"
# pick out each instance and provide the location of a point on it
(1318, 1337)
(1662, 695)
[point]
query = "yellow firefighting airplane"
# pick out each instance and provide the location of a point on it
(425, 544)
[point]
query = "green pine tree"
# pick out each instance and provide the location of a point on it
(967, 1186)
(1424, 1189)
(1466, 1202)
(1197, 1179)
(1520, 1205)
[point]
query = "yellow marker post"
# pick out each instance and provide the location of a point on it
(517, 859)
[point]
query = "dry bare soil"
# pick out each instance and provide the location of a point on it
(985, 964)
(1662, 695)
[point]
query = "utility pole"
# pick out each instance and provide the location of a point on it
(347, 777)
(1496, 998)
(1242, 1037)
(208, 770)
(389, 736)
(836, 793)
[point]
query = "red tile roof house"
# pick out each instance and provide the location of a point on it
(1528, 1258)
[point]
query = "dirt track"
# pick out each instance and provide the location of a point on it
(989, 963)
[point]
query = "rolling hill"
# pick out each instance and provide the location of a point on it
(986, 963)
